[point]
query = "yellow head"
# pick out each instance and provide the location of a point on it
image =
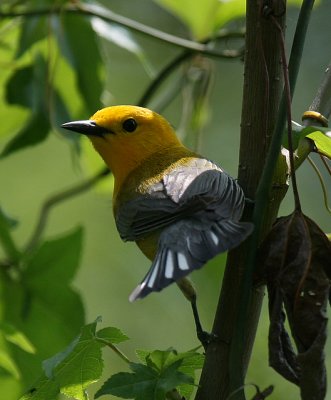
(125, 136)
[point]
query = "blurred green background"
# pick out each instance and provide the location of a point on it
(110, 269)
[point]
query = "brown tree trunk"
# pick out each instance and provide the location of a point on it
(261, 98)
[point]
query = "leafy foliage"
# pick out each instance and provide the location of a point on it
(74, 369)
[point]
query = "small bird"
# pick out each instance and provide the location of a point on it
(180, 208)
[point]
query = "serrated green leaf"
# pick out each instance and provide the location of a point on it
(161, 358)
(50, 364)
(78, 44)
(190, 362)
(145, 382)
(43, 389)
(128, 385)
(75, 368)
(16, 337)
(8, 364)
(112, 335)
(142, 355)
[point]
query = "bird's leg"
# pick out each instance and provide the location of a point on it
(189, 292)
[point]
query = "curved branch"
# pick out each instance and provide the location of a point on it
(109, 16)
(164, 73)
(58, 198)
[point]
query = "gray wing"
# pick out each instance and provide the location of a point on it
(182, 193)
(199, 210)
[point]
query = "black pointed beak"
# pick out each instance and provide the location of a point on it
(86, 127)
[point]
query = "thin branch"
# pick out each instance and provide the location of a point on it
(319, 175)
(177, 61)
(59, 198)
(7, 242)
(288, 94)
(109, 16)
(162, 76)
(322, 100)
(115, 349)
(326, 165)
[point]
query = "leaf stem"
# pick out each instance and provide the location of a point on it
(114, 348)
(319, 175)
(162, 76)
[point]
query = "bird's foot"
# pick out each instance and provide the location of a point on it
(206, 338)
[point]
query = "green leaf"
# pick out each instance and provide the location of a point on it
(73, 369)
(60, 114)
(20, 87)
(199, 16)
(43, 389)
(146, 382)
(8, 364)
(203, 18)
(33, 132)
(320, 136)
(322, 141)
(32, 30)
(55, 261)
(53, 266)
(78, 44)
(190, 362)
(79, 365)
(16, 337)
(123, 38)
(112, 335)
(26, 88)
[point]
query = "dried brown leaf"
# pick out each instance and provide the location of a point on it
(296, 259)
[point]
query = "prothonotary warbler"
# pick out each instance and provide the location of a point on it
(180, 208)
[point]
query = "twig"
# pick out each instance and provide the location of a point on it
(109, 16)
(319, 175)
(322, 100)
(323, 158)
(288, 94)
(161, 77)
(115, 349)
(55, 200)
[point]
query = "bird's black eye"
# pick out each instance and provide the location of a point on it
(129, 125)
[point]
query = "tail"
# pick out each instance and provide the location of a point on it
(186, 246)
